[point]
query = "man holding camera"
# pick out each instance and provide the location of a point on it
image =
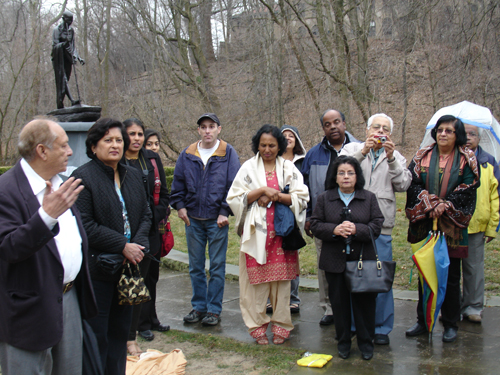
(385, 172)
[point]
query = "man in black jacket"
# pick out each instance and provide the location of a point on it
(45, 287)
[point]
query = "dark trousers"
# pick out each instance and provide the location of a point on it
(136, 313)
(148, 318)
(363, 309)
(450, 310)
(111, 327)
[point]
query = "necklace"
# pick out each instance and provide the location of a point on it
(270, 173)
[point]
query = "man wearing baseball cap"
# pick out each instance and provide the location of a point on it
(203, 175)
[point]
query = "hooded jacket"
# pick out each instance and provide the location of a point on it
(298, 159)
(486, 215)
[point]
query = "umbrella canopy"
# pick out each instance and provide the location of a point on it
(472, 114)
(431, 258)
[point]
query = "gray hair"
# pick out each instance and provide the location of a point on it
(34, 133)
(370, 120)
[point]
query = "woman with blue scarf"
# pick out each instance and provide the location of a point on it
(342, 219)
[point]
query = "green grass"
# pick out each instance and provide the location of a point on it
(400, 247)
(271, 358)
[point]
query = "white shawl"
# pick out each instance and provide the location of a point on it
(251, 220)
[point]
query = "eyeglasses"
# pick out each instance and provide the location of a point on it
(471, 134)
(350, 173)
(447, 131)
(386, 129)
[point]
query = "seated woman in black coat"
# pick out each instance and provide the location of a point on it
(341, 219)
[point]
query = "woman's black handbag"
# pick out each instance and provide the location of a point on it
(369, 276)
(131, 287)
(284, 218)
(109, 263)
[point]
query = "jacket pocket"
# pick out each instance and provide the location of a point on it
(387, 203)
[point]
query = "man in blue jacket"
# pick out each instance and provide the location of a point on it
(316, 170)
(483, 227)
(203, 175)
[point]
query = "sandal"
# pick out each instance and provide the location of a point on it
(133, 348)
(278, 340)
(269, 308)
(262, 340)
(294, 308)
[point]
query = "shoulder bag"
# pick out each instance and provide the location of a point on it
(286, 226)
(369, 276)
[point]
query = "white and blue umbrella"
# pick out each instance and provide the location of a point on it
(471, 114)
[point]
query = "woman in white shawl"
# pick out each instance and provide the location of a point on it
(265, 268)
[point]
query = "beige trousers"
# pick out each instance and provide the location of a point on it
(324, 301)
(253, 301)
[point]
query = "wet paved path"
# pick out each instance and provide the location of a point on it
(476, 351)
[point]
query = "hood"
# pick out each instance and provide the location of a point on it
(295, 131)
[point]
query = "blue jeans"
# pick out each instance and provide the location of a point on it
(207, 299)
(384, 313)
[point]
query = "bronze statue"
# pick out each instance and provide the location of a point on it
(64, 55)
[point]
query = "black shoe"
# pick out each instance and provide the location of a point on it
(381, 339)
(344, 355)
(194, 316)
(367, 356)
(147, 335)
(417, 329)
(326, 320)
(211, 319)
(450, 334)
(161, 328)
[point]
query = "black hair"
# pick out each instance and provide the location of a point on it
(275, 132)
(99, 130)
(459, 129)
(332, 178)
(328, 110)
(133, 121)
(149, 133)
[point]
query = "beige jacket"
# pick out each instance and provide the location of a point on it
(385, 179)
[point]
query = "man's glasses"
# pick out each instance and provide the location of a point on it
(447, 131)
(471, 134)
(386, 129)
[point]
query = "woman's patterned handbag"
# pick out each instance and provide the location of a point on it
(131, 287)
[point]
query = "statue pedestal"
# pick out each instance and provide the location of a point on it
(76, 121)
(77, 113)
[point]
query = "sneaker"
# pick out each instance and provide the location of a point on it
(194, 316)
(211, 319)
(474, 318)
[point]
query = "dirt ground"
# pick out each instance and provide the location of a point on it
(203, 361)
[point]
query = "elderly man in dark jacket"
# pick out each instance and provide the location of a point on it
(43, 254)
(203, 175)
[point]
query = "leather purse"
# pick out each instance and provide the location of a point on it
(109, 263)
(369, 276)
(131, 287)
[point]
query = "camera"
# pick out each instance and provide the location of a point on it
(381, 138)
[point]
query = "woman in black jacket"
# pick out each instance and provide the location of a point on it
(149, 164)
(116, 218)
(342, 219)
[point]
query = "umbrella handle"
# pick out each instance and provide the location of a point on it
(435, 224)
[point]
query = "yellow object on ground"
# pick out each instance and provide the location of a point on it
(154, 362)
(314, 360)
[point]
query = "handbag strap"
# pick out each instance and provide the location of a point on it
(156, 193)
(373, 244)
